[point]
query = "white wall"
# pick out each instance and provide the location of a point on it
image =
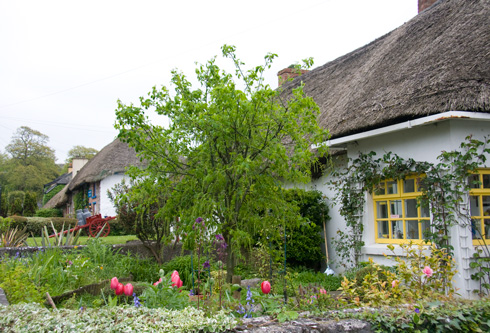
(423, 143)
(106, 206)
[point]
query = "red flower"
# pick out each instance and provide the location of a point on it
(323, 291)
(175, 279)
(119, 289)
(128, 289)
(266, 287)
(114, 283)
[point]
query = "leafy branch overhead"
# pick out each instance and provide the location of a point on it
(228, 145)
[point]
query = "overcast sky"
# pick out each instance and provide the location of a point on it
(64, 64)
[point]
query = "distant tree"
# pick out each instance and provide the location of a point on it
(30, 204)
(80, 152)
(32, 161)
(230, 145)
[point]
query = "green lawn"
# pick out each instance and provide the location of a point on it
(83, 240)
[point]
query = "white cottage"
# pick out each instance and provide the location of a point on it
(417, 91)
(97, 176)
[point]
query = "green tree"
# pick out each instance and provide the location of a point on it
(80, 152)
(229, 145)
(32, 162)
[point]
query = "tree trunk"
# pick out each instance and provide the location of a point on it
(230, 261)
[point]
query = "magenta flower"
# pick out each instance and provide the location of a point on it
(428, 271)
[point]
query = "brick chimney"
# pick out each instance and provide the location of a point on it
(424, 4)
(289, 73)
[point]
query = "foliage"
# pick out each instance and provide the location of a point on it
(32, 163)
(30, 204)
(224, 154)
(481, 266)
(409, 270)
(138, 206)
(444, 185)
(376, 286)
(52, 193)
(35, 225)
(19, 287)
(164, 295)
(78, 152)
(432, 316)
(16, 202)
(34, 318)
(80, 199)
(184, 265)
(12, 237)
(304, 240)
(48, 212)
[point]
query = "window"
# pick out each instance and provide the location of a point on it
(398, 219)
(480, 205)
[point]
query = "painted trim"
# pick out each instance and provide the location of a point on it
(340, 142)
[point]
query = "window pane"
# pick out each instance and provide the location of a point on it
(382, 209)
(424, 211)
(409, 185)
(397, 229)
(380, 189)
(486, 205)
(425, 228)
(486, 222)
(383, 231)
(476, 228)
(392, 186)
(411, 208)
(474, 205)
(486, 181)
(412, 229)
(473, 181)
(395, 209)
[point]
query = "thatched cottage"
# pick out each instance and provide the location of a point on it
(416, 91)
(95, 178)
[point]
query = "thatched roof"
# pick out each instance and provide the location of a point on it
(438, 61)
(112, 159)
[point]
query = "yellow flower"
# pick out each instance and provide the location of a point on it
(101, 267)
(76, 247)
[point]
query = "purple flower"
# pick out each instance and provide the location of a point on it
(191, 292)
(417, 310)
(206, 264)
(136, 300)
(219, 237)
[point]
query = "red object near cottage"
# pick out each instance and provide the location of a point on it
(95, 224)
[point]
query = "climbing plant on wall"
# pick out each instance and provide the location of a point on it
(444, 186)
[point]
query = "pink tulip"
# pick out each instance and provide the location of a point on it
(114, 283)
(180, 283)
(175, 278)
(323, 291)
(128, 289)
(266, 287)
(156, 283)
(119, 289)
(428, 271)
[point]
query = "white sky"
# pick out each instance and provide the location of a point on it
(64, 64)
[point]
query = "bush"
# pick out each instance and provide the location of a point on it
(15, 202)
(30, 204)
(34, 225)
(49, 212)
(183, 265)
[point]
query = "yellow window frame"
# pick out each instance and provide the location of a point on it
(385, 192)
(483, 217)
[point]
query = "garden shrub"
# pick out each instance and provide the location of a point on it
(30, 203)
(183, 265)
(15, 202)
(35, 318)
(34, 225)
(49, 212)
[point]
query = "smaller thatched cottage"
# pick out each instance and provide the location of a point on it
(90, 185)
